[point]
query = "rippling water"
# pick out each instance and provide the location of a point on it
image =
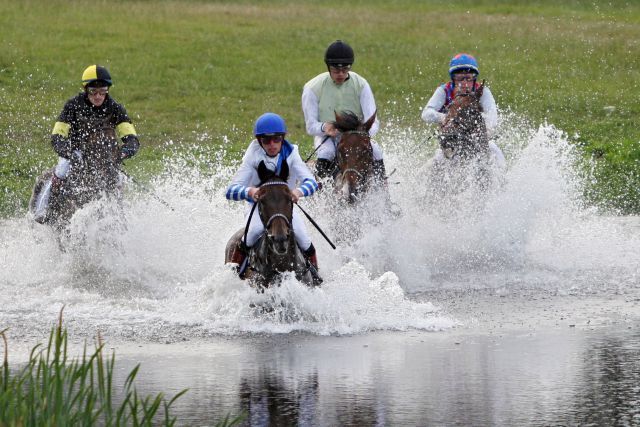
(150, 275)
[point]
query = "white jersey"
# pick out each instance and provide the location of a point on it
(431, 112)
(247, 176)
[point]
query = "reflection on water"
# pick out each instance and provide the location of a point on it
(564, 376)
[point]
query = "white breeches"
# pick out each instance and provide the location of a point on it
(62, 168)
(328, 149)
(496, 154)
(256, 229)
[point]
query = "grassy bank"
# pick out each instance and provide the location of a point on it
(55, 389)
(196, 71)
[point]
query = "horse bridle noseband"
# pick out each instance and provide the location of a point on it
(364, 133)
(276, 215)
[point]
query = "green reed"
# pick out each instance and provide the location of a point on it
(54, 389)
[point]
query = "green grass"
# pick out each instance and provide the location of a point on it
(187, 68)
(54, 390)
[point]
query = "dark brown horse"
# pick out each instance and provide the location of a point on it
(276, 251)
(96, 174)
(354, 156)
(463, 133)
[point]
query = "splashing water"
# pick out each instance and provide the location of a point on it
(147, 272)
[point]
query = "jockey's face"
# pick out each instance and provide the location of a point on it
(339, 74)
(97, 95)
(464, 82)
(272, 144)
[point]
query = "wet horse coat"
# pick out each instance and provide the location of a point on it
(276, 251)
(354, 156)
(463, 132)
(98, 173)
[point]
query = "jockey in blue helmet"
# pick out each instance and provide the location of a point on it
(271, 148)
(463, 72)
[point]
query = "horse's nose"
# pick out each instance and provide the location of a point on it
(281, 238)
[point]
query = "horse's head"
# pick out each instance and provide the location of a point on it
(354, 154)
(275, 206)
(463, 132)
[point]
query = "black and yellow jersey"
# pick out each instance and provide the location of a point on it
(80, 121)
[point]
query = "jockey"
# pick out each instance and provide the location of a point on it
(91, 111)
(271, 147)
(464, 71)
(338, 89)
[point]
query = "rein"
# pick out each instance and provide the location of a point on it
(255, 205)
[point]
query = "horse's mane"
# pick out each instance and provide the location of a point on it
(346, 121)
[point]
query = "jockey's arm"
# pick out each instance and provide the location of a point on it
(310, 108)
(240, 187)
(489, 111)
(307, 183)
(127, 133)
(431, 112)
(60, 141)
(368, 105)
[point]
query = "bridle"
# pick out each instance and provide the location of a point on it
(361, 178)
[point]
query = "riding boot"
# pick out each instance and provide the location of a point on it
(55, 199)
(325, 168)
(239, 256)
(312, 257)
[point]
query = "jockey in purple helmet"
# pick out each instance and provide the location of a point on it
(271, 148)
(464, 71)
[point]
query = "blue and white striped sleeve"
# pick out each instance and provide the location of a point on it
(237, 192)
(308, 187)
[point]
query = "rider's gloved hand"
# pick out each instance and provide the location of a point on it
(126, 153)
(130, 147)
(296, 195)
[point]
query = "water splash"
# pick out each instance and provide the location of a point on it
(144, 271)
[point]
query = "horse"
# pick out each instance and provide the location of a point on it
(276, 251)
(354, 156)
(463, 133)
(465, 162)
(94, 174)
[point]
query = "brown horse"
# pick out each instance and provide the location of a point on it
(97, 173)
(466, 167)
(276, 251)
(464, 134)
(354, 156)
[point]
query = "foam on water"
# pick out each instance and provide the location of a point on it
(148, 272)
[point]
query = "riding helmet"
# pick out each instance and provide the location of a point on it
(96, 75)
(269, 124)
(339, 54)
(463, 62)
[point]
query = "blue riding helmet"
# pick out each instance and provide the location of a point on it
(268, 124)
(463, 61)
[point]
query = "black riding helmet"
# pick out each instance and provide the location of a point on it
(338, 54)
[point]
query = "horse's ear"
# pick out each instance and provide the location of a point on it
(263, 172)
(369, 122)
(284, 170)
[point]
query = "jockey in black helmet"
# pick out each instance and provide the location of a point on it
(338, 89)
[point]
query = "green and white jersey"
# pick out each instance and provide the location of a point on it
(321, 98)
